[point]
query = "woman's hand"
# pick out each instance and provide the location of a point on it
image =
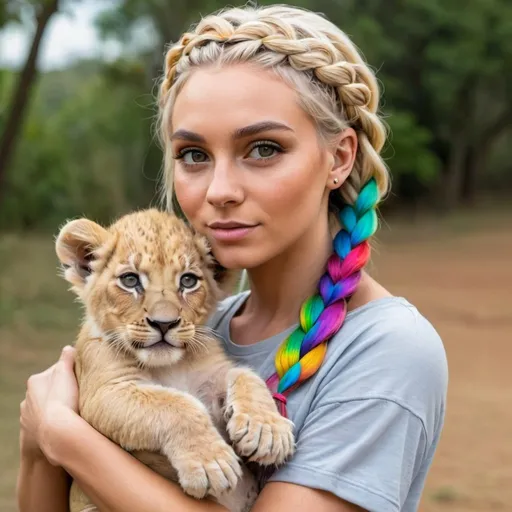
(51, 398)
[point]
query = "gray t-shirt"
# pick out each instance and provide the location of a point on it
(368, 422)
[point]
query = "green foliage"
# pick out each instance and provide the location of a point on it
(445, 494)
(17, 11)
(80, 153)
(9, 11)
(408, 150)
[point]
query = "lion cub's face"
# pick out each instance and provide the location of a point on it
(147, 282)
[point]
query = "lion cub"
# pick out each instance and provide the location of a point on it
(151, 378)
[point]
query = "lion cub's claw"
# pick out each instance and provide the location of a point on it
(209, 469)
(264, 437)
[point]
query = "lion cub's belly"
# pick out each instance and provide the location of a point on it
(202, 384)
(204, 389)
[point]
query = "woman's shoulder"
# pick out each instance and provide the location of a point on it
(394, 326)
(388, 350)
(224, 307)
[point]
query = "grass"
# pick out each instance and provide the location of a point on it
(445, 495)
(37, 317)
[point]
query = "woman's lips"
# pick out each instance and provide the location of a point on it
(231, 234)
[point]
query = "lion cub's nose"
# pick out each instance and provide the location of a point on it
(162, 316)
(163, 325)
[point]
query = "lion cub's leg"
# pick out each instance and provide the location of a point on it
(254, 424)
(78, 501)
(140, 416)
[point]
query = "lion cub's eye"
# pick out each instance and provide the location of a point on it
(188, 281)
(130, 280)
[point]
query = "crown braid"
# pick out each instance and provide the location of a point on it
(336, 87)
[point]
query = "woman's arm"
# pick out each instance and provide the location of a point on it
(114, 480)
(41, 486)
(107, 474)
(51, 430)
(283, 496)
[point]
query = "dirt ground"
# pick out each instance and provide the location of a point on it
(457, 272)
(462, 282)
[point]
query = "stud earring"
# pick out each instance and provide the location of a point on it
(336, 181)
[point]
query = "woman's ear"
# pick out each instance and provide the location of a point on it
(75, 246)
(344, 151)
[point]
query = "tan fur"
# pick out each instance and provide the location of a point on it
(179, 405)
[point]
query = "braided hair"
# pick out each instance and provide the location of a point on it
(338, 90)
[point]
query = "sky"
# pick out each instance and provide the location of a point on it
(69, 35)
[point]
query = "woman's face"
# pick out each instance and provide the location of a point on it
(251, 173)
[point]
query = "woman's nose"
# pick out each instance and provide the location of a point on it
(225, 188)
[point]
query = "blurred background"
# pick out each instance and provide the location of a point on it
(77, 88)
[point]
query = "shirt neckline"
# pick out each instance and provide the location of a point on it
(267, 344)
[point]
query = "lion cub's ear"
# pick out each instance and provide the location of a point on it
(75, 246)
(225, 279)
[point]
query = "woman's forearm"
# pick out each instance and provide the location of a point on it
(114, 480)
(42, 487)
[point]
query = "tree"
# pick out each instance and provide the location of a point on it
(161, 22)
(81, 149)
(446, 65)
(21, 94)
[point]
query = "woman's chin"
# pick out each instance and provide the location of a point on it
(239, 258)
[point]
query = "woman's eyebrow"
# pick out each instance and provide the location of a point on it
(187, 135)
(239, 133)
(263, 126)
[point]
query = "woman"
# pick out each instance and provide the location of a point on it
(272, 141)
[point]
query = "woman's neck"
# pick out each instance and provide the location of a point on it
(280, 286)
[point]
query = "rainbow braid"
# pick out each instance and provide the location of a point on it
(322, 315)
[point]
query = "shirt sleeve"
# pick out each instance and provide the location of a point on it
(364, 451)
(374, 416)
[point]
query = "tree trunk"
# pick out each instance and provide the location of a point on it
(459, 144)
(476, 162)
(470, 176)
(478, 155)
(21, 93)
(455, 171)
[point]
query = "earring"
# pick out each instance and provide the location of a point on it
(336, 181)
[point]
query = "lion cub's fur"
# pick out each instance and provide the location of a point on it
(151, 376)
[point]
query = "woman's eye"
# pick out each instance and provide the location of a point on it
(188, 280)
(193, 156)
(262, 151)
(130, 280)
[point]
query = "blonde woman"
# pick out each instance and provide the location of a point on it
(272, 137)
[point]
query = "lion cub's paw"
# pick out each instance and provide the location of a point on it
(260, 433)
(209, 467)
